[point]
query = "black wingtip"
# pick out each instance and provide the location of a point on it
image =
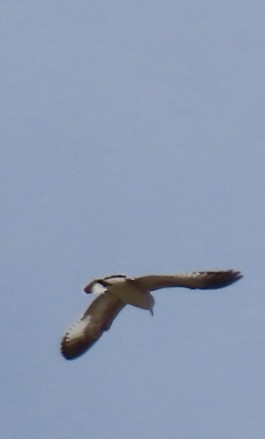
(235, 275)
(222, 279)
(73, 352)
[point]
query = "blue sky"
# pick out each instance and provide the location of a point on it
(132, 141)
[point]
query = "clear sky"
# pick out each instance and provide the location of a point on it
(132, 141)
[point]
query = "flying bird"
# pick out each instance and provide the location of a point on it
(116, 291)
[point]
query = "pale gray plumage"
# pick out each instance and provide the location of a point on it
(116, 291)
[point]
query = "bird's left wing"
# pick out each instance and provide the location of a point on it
(199, 279)
(97, 319)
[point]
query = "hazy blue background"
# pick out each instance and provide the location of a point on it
(132, 141)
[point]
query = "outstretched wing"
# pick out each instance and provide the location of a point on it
(200, 279)
(97, 319)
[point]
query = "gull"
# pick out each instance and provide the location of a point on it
(114, 292)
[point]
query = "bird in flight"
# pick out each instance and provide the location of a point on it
(116, 291)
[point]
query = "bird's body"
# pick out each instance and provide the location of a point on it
(116, 291)
(126, 289)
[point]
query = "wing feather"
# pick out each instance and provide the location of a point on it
(198, 279)
(96, 319)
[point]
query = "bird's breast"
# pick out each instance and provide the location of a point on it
(130, 294)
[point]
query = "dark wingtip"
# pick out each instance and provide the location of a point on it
(224, 278)
(67, 356)
(236, 275)
(73, 352)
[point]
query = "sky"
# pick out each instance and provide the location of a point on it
(132, 141)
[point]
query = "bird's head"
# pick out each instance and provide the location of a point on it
(95, 287)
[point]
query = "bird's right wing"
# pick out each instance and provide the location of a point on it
(198, 279)
(97, 319)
